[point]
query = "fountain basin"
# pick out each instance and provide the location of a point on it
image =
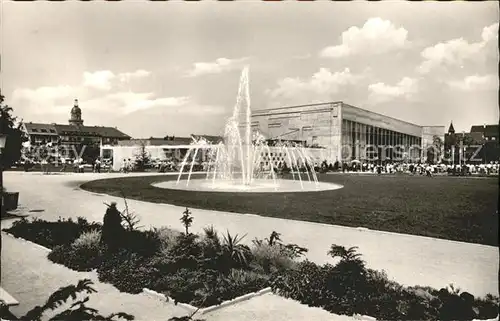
(257, 186)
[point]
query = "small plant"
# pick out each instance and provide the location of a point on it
(167, 237)
(130, 219)
(88, 240)
(237, 253)
(187, 219)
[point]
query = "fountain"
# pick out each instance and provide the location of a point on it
(243, 162)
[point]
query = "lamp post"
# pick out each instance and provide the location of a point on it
(3, 141)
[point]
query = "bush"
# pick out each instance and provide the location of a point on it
(128, 272)
(271, 258)
(84, 254)
(88, 240)
(167, 237)
(143, 243)
(51, 234)
(350, 288)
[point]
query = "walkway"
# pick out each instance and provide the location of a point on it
(407, 259)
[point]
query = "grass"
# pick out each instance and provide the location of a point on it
(453, 208)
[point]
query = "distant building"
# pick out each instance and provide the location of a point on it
(74, 133)
(159, 149)
(344, 131)
(479, 145)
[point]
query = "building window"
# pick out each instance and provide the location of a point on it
(34, 130)
(493, 138)
(52, 131)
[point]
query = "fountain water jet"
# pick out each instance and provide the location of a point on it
(237, 164)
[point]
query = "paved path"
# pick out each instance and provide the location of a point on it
(407, 259)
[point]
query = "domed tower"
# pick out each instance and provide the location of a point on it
(76, 115)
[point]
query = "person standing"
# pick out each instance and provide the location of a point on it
(98, 165)
(125, 165)
(44, 165)
(63, 164)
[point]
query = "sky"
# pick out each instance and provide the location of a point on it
(172, 68)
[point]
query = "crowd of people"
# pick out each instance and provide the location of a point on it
(416, 168)
(62, 164)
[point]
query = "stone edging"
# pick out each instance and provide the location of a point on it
(224, 304)
(32, 243)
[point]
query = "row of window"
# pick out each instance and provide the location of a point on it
(43, 130)
(354, 131)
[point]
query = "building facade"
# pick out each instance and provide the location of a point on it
(345, 132)
(72, 134)
(159, 149)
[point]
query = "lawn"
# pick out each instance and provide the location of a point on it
(454, 208)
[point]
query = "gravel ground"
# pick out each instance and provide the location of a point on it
(409, 260)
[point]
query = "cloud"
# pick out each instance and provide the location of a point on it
(456, 52)
(95, 92)
(126, 76)
(216, 67)
(476, 83)
(302, 57)
(376, 36)
(323, 82)
(46, 99)
(100, 80)
(381, 92)
(130, 102)
(44, 93)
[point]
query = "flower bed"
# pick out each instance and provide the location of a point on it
(201, 270)
(205, 270)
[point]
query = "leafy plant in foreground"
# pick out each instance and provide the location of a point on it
(77, 311)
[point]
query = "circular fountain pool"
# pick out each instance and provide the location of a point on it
(257, 186)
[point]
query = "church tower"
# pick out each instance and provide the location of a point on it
(76, 115)
(451, 130)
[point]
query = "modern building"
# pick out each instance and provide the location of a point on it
(74, 133)
(344, 132)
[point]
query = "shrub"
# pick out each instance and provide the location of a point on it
(349, 287)
(167, 237)
(128, 272)
(271, 258)
(51, 234)
(143, 243)
(241, 282)
(235, 254)
(88, 240)
(84, 254)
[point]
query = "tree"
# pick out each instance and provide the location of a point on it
(15, 137)
(89, 150)
(434, 152)
(142, 158)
